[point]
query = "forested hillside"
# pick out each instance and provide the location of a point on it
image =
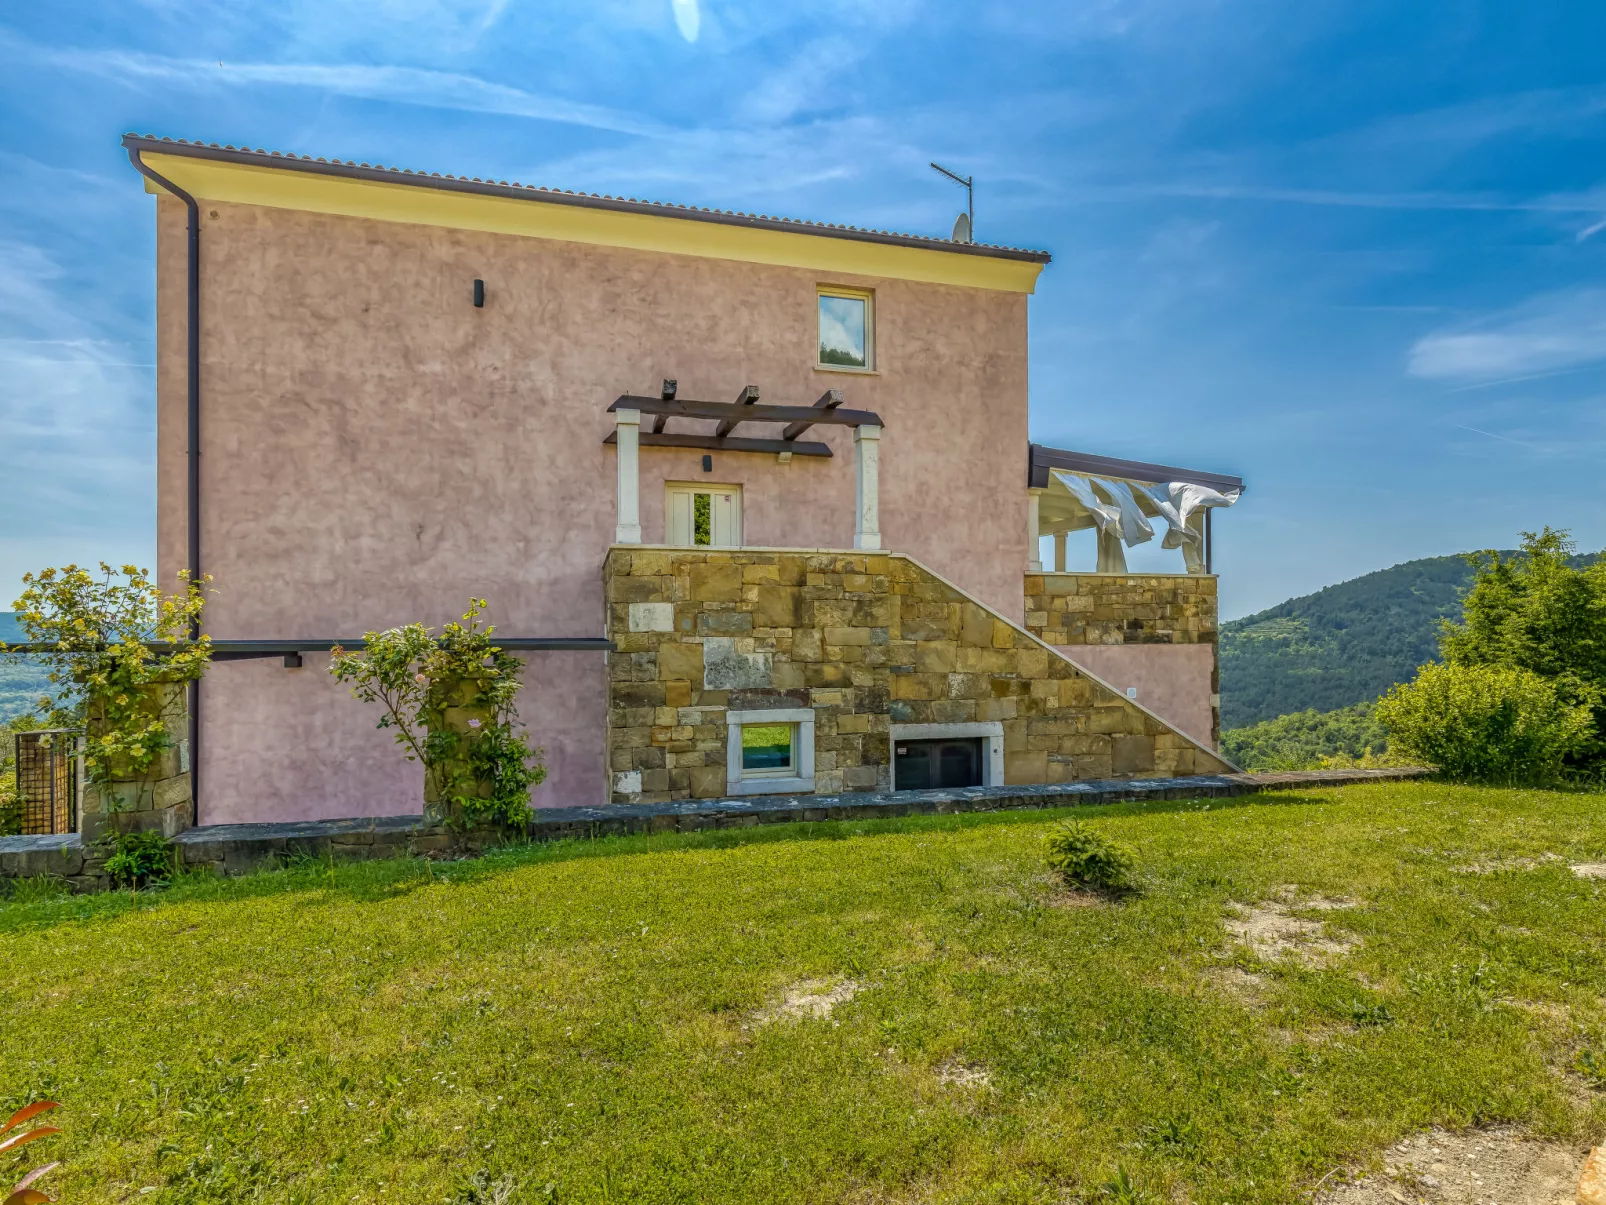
(21, 683)
(1343, 645)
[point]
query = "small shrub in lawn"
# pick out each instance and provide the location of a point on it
(139, 859)
(1087, 859)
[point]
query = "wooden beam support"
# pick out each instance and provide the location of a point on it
(829, 400)
(747, 397)
(720, 411)
(667, 395)
(713, 443)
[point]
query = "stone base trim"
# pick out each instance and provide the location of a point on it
(233, 849)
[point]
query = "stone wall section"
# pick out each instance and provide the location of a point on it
(865, 640)
(1121, 608)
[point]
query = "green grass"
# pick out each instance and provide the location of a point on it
(581, 1017)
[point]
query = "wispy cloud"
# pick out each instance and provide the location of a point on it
(403, 85)
(1551, 333)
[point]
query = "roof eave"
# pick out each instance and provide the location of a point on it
(458, 184)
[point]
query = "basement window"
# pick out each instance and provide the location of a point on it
(770, 752)
(847, 330)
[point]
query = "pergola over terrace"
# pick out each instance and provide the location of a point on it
(795, 421)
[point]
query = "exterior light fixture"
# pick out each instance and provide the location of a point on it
(708, 464)
(479, 294)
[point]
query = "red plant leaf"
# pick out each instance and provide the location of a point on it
(34, 1175)
(16, 1140)
(27, 1111)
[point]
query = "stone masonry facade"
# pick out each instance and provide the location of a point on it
(863, 639)
(1121, 608)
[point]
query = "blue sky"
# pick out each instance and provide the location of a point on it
(1352, 250)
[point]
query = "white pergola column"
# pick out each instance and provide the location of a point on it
(867, 494)
(629, 449)
(1059, 552)
(1034, 552)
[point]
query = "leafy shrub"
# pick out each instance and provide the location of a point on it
(99, 629)
(1087, 859)
(485, 773)
(1308, 740)
(139, 859)
(1489, 723)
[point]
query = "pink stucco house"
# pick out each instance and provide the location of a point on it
(384, 392)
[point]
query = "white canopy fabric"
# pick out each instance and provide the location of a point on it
(1120, 509)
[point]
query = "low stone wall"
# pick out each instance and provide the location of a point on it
(231, 849)
(864, 640)
(1121, 608)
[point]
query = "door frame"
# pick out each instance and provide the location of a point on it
(991, 733)
(739, 520)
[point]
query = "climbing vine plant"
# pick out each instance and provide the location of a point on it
(98, 630)
(450, 701)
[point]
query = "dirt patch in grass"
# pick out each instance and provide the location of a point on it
(1589, 870)
(810, 998)
(1246, 987)
(956, 1074)
(1273, 932)
(1469, 1167)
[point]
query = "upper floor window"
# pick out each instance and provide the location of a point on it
(847, 329)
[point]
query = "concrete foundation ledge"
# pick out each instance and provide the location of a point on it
(237, 848)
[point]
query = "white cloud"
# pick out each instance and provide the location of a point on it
(405, 85)
(687, 18)
(1549, 333)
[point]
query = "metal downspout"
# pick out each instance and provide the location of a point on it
(193, 456)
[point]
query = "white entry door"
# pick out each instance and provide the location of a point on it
(707, 515)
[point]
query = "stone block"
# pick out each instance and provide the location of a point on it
(677, 694)
(717, 582)
(847, 636)
(679, 661)
(853, 723)
(1025, 767)
(707, 782)
(859, 778)
(724, 622)
(652, 617)
(725, 667)
(936, 656)
(776, 606)
(807, 645)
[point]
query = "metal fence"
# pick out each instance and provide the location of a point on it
(47, 780)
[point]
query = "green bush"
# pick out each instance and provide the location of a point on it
(1087, 859)
(139, 859)
(1490, 723)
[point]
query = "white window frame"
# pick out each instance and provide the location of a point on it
(674, 489)
(802, 752)
(990, 731)
(846, 293)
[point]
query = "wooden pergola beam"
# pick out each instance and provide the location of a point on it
(729, 443)
(747, 397)
(754, 413)
(831, 399)
(667, 395)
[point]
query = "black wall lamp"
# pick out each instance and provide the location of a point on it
(479, 294)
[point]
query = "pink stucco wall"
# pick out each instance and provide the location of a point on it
(376, 450)
(1174, 680)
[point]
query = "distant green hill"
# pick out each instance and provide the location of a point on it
(21, 683)
(1343, 645)
(1299, 741)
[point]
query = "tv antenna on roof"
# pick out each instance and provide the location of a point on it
(965, 223)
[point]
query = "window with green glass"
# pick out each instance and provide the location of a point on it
(769, 750)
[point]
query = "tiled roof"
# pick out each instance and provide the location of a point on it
(352, 169)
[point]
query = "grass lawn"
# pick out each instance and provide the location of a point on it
(597, 1021)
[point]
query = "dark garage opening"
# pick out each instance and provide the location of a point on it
(921, 765)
